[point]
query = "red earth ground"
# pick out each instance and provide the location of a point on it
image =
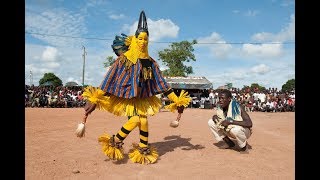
(52, 150)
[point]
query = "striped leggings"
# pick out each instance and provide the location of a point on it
(132, 123)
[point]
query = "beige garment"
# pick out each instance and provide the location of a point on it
(239, 133)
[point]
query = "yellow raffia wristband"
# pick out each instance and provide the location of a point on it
(182, 100)
(96, 96)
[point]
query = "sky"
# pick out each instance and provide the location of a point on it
(239, 42)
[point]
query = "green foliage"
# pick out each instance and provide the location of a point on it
(289, 85)
(229, 85)
(174, 57)
(109, 61)
(50, 79)
(245, 88)
(257, 86)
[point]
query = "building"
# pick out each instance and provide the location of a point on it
(189, 82)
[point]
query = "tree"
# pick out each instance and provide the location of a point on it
(229, 85)
(289, 85)
(50, 78)
(245, 88)
(174, 57)
(257, 86)
(109, 62)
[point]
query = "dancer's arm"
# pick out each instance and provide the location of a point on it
(180, 111)
(89, 107)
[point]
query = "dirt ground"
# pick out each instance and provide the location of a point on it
(52, 150)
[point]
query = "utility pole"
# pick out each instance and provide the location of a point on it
(31, 78)
(84, 62)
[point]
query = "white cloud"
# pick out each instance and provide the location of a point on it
(260, 69)
(159, 29)
(94, 3)
(263, 36)
(262, 74)
(44, 59)
(36, 70)
(63, 56)
(50, 57)
(220, 49)
(263, 50)
(39, 60)
(286, 34)
(50, 54)
(275, 47)
(241, 72)
(53, 65)
(116, 17)
(48, 24)
(235, 76)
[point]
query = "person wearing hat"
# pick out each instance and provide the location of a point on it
(129, 88)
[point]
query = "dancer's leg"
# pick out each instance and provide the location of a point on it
(127, 128)
(143, 127)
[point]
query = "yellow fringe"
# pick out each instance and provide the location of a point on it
(182, 100)
(96, 96)
(112, 152)
(125, 62)
(134, 106)
(147, 73)
(122, 106)
(137, 157)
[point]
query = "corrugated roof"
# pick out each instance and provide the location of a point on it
(71, 83)
(189, 82)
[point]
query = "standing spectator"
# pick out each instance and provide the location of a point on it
(212, 99)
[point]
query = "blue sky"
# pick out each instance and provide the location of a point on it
(239, 42)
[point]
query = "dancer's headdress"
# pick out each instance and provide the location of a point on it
(121, 43)
(142, 24)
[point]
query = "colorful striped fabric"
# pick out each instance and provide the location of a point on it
(125, 82)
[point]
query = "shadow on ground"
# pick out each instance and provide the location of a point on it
(173, 142)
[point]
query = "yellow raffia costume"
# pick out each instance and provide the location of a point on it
(129, 89)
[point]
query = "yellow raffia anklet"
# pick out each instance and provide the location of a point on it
(146, 155)
(110, 148)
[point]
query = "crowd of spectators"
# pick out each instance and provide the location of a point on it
(269, 100)
(54, 97)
